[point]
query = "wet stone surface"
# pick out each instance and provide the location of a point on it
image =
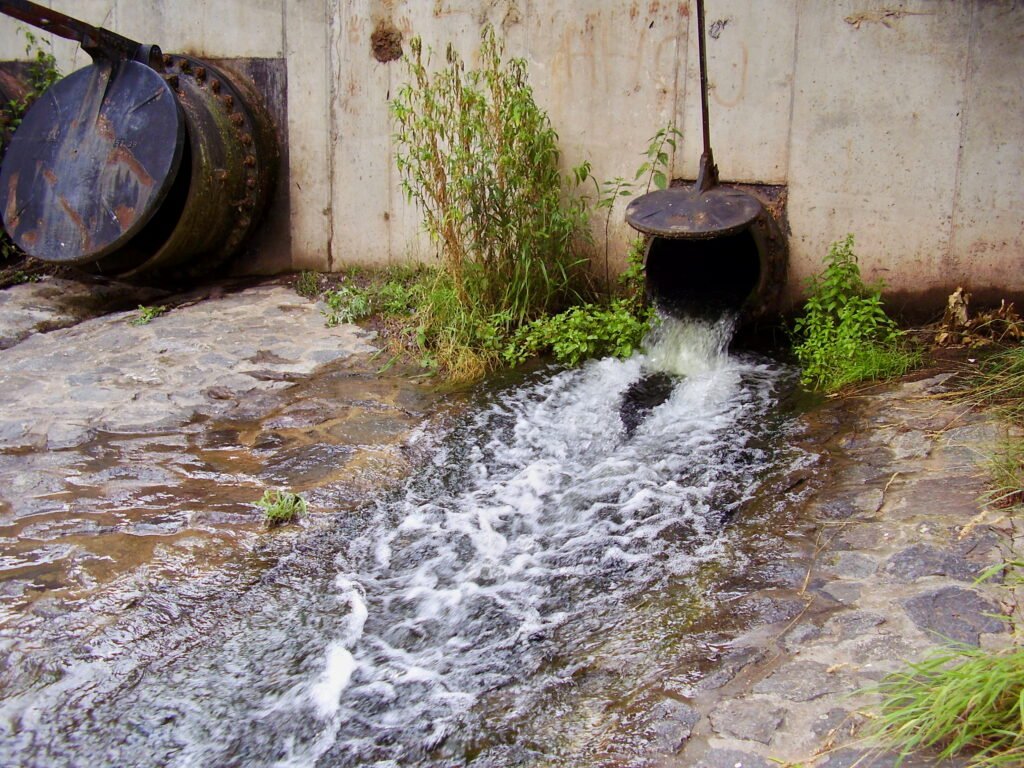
(896, 555)
(131, 455)
(130, 458)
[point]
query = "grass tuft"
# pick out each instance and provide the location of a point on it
(959, 700)
(281, 507)
(147, 315)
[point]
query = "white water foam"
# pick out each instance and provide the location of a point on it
(538, 513)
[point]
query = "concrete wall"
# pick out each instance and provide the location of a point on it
(899, 121)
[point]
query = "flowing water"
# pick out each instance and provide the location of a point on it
(523, 599)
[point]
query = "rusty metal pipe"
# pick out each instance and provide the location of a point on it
(711, 246)
(140, 165)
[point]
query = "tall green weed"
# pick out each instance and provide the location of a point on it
(844, 335)
(480, 158)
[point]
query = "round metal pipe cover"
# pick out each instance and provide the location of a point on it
(91, 162)
(686, 214)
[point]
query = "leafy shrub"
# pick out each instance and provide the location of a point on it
(481, 160)
(346, 304)
(281, 507)
(581, 332)
(394, 298)
(844, 335)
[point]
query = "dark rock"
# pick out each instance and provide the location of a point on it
(851, 565)
(770, 610)
(673, 722)
(955, 613)
(837, 721)
(837, 509)
(842, 592)
(922, 560)
(799, 636)
(803, 681)
(872, 647)
(748, 720)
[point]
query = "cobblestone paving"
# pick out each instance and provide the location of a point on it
(891, 574)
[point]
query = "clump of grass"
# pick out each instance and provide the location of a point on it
(307, 284)
(844, 335)
(281, 507)
(959, 700)
(147, 315)
(1000, 384)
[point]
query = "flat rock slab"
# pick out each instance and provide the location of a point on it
(748, 720)
(921, 560)
(803, 681)
(106, 374)
(891, 524)
(955, 613)
(53, 303)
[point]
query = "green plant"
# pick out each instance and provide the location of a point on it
(394, 298)
(147, 315)
(960, 700)
(481, 160)
(656, 167)
(844, 334)
(307, 284)
(281, 507)
(346, 304)
(42, 72)
(581, 332)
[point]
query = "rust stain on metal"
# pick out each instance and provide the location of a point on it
(123, 156)
(12, 214)
(125, 215)
(75, 216)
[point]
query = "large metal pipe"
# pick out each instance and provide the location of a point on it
(142, 165)
(712, 247)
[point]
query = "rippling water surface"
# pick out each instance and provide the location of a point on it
(513, 603)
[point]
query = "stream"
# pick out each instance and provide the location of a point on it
(544, 582)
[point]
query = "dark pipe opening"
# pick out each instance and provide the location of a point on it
(703, 277)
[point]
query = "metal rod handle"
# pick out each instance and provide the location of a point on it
(96, 41)
(705, 122)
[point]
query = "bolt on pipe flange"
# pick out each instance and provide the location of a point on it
(232, 171)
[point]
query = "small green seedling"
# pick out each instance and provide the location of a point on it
(281, 507)
(147, 315)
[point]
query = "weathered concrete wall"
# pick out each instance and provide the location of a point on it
(899, 122)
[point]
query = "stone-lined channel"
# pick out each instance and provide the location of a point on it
(526, 597)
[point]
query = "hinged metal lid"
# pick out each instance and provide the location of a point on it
(91, 162)
(687, 213)
(704, 210)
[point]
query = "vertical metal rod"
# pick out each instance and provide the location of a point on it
(705, 123)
